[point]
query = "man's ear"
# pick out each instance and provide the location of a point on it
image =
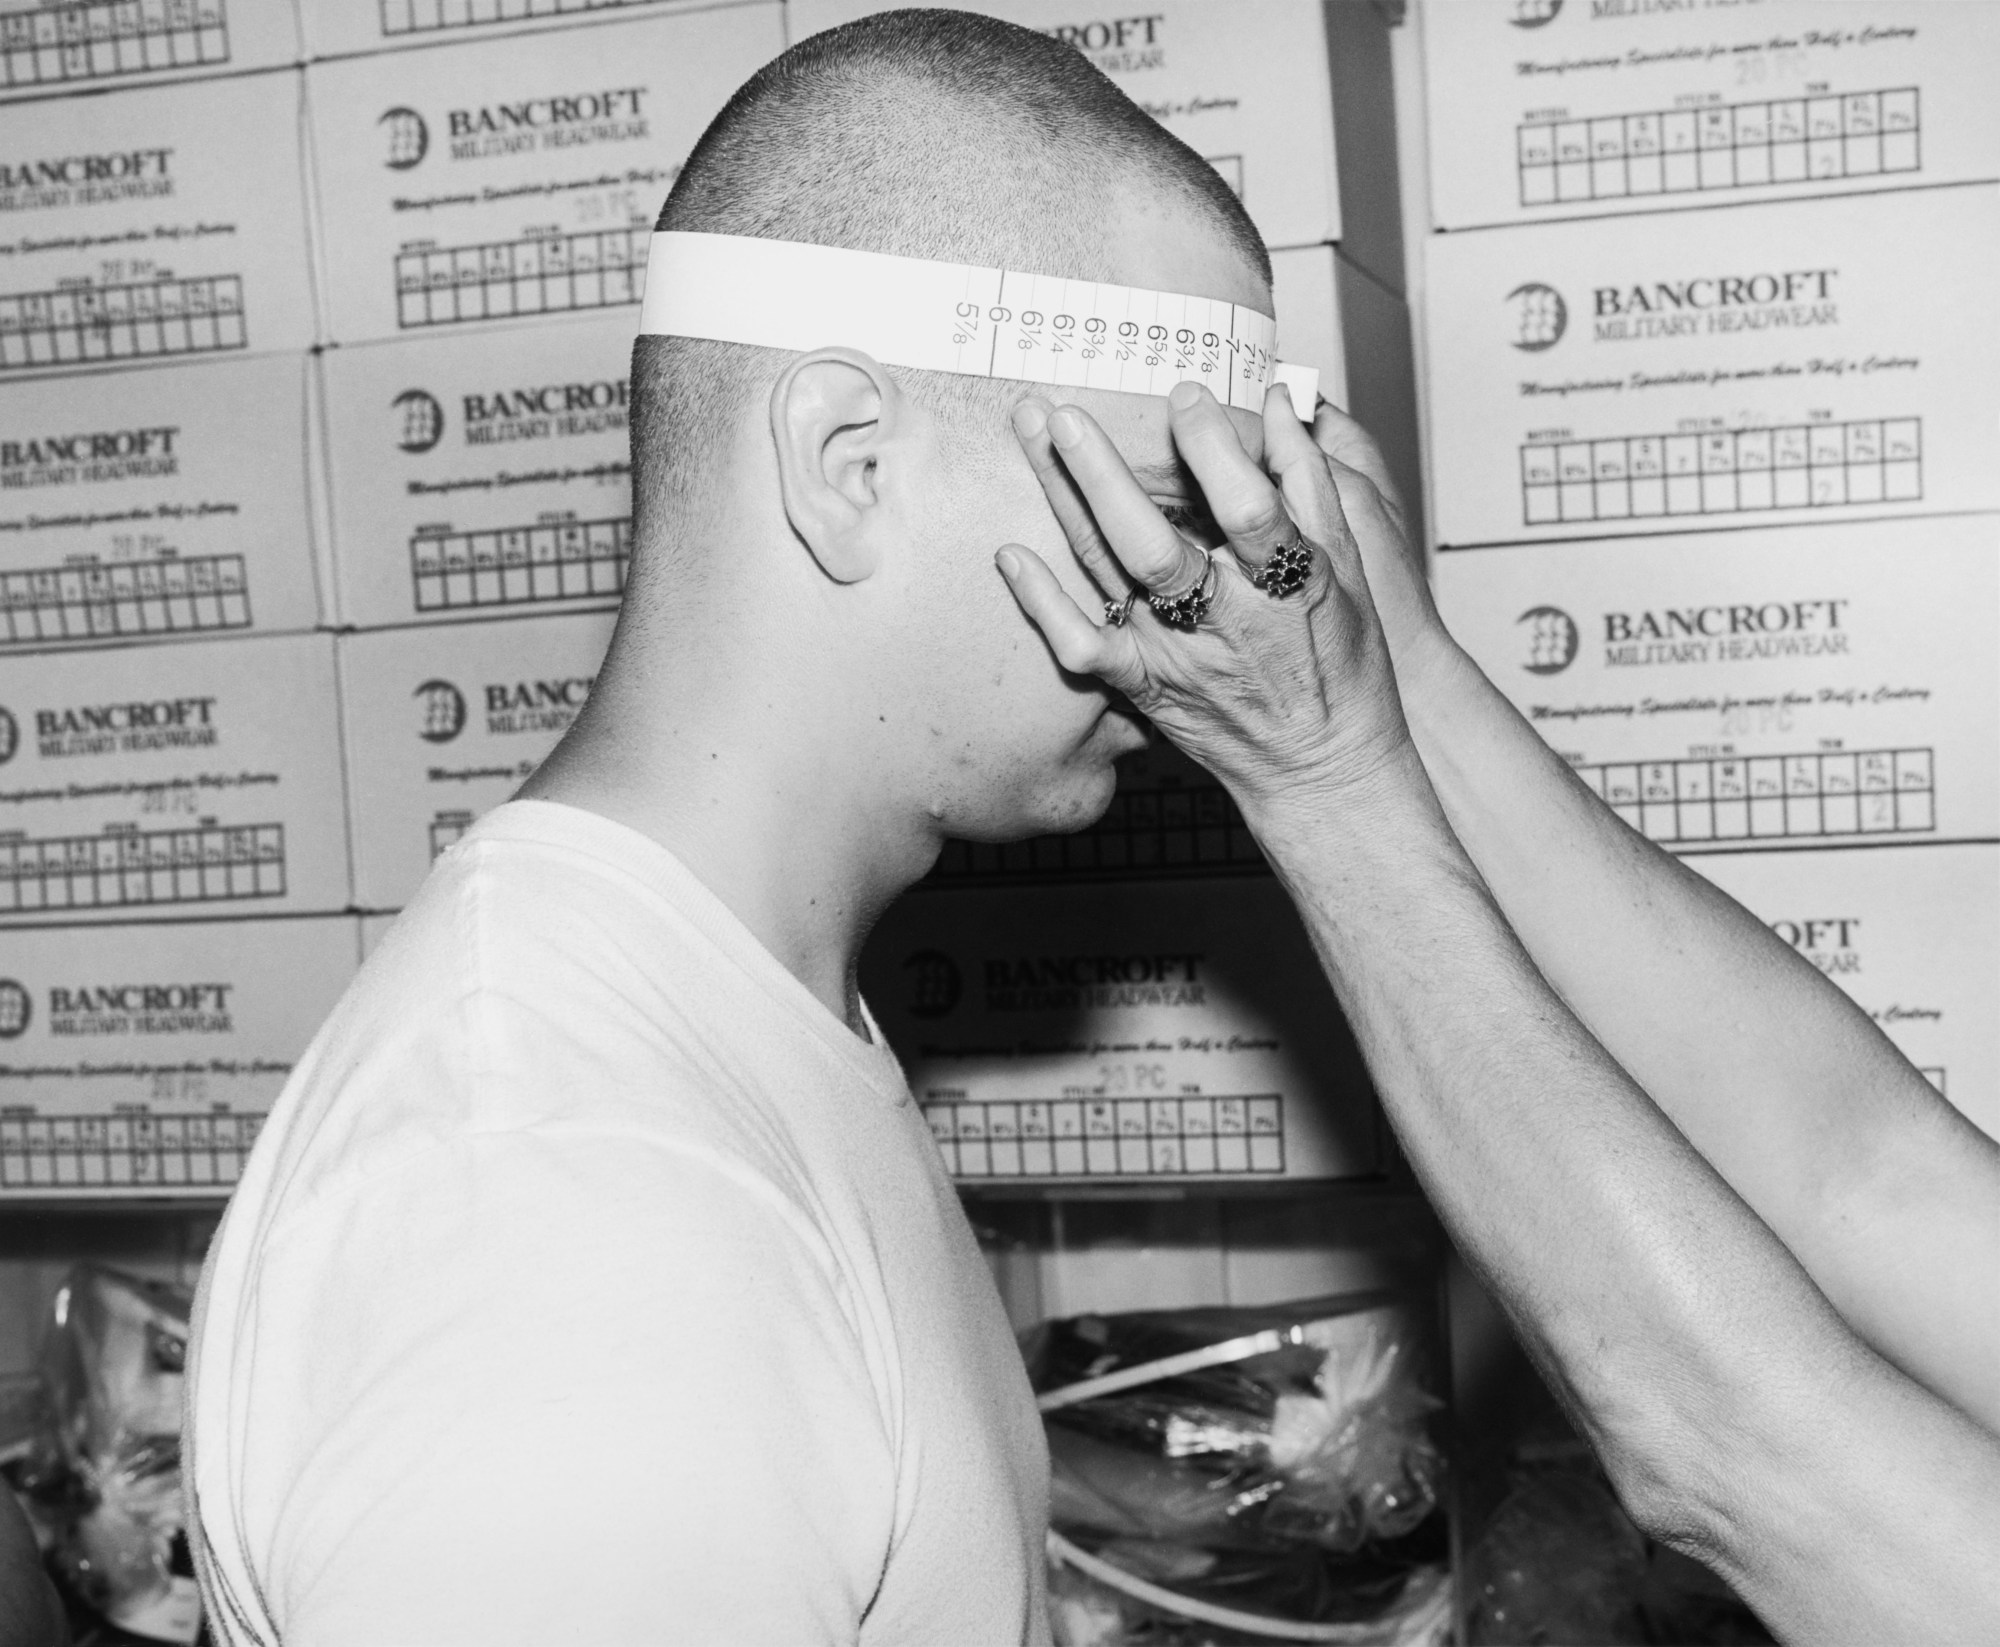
(834, 414)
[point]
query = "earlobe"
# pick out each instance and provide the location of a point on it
(831, 416)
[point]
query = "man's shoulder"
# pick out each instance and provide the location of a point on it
(475, 1020)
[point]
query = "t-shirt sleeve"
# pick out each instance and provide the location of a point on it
(595, 1392)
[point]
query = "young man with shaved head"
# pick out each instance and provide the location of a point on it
(596, 1278)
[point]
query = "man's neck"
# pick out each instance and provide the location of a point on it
(779, 800)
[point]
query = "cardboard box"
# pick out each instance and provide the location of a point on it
(340, 28)
(141, 1060)
(445, 723)
(1912, 935)
(156, 504)
(1809, 686)
(517, 178)
(1548, 110)
(154, 225)
(1079, 1033)
(1696, 370)
(90, 45)
(1245, 85)
(171, 782)
(466, 480)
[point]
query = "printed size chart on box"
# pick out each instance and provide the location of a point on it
(1913, 936)
(1190, 1137)
(1782, 688)
(459, 492)
(155, 504)
(170, 782)
(52, 46)
(340, 28)
(162, 234)
(1785, 363)
(142, 1059)
(1565, 111)
(1085, 1030)
(515, 178)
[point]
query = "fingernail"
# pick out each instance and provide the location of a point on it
(1010, 564)
(1031, 417)
(1065, 426)
(1184, 396)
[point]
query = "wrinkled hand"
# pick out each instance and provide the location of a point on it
(1275, 696)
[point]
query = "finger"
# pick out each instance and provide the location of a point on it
(1145, 545)
(1351, 446)
(1031, 419)
(1080, 646)
(1239, 494)
(1305, 478)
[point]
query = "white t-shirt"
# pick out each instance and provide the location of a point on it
(592, 1283)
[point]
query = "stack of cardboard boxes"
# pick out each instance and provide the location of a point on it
(1712, 386)
(173, 852)
(314, 331)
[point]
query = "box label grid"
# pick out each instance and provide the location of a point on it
(1111, 1138)
(1723, 471)
(520, 566)
(1710, 150)
(402, 17)
(141, 867)
(557, 274)
(86, 41)
(168, 597)
(152, 320)
(1772, 797)
(123, 1150)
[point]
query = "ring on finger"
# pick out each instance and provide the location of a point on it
(1187, 609)
(1288, 570)
(1117, 611)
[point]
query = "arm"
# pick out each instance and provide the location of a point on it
(1886, 1194)
(1741, 1420)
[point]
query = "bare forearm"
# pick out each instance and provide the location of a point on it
(1740, 1419)
(1772, 1073)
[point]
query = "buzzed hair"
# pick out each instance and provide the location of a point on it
(934, 134)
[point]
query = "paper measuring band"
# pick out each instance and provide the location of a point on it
(964, 318)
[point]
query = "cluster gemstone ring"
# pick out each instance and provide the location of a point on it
(1286, 572)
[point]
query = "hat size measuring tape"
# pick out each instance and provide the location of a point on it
(963, 318)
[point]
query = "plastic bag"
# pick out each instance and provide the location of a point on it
(1242, 1475)
(113, 1364)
